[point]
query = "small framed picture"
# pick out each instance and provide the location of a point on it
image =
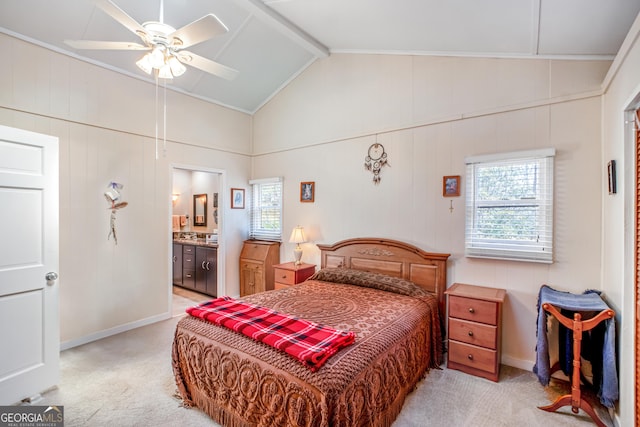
(451, 186)
(237, 198)
(307, 191)
(611, 168)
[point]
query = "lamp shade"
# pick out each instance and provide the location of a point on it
(297, 235)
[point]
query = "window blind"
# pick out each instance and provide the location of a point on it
(266, 209)
(509, 206)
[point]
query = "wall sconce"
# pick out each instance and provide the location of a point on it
(297, 237)
(174, 197)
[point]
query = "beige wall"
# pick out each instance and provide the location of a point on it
(621, 93)
(106, 126)
(429, 113)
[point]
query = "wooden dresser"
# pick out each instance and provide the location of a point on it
(289, 274)
(257, 259)
(475, 329)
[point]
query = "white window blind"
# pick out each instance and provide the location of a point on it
(509, 208)
(266, 209)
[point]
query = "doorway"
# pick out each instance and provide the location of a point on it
(636, 140)
(197, 208)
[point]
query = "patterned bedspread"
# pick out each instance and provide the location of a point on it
(241, 382)
(309, 342)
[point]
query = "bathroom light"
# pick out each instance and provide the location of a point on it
(174, 197)
(297, 237)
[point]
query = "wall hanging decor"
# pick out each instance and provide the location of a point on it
(215, 208)
(113, 196)
(375, 159)
(307, 191)
(611, 169)
(237, 198)
(451, 186)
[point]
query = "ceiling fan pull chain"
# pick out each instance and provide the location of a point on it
(164, 121)
(156, 115)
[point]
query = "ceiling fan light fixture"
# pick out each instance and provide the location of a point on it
(177, 69)
(145, 64)
(164, 72)
(156, 57)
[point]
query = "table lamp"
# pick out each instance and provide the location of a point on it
(297, 237)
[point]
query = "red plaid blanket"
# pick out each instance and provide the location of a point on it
(310, 343)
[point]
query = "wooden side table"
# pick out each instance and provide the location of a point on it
(475, 329)
(289, 274)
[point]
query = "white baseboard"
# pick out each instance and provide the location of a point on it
(526, 365)
(113, 331)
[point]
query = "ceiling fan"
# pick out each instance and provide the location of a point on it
(164, 43)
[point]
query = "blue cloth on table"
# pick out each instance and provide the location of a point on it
(608, 385)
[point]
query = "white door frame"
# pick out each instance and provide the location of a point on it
(221, 288)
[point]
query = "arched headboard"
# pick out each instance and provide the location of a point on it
(393, 258)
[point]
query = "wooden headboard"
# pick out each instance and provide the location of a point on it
(393, 258)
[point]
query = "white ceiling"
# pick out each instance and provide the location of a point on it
(271, 41)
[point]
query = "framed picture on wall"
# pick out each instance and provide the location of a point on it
(611, 170)
(451, 186)
(307, 191)
(237, 198)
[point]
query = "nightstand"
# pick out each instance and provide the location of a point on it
(475, 329)
(289, 274)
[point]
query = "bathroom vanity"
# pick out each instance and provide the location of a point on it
(195, 265)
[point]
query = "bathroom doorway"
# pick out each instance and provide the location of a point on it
(196, 224)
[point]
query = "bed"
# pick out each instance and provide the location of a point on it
(391, 294)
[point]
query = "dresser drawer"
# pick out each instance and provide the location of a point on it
(473, 333)
(189, 261)
(256, 251)
(287, 277)
(189, 279)
(188, 249)
(473, 309)
(472, 356)
(253, 266)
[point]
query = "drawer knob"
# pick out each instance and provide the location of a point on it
(471, 310)
(470, 333)
(470, 356)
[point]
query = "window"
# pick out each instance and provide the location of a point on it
(266, 209)
(509, 208)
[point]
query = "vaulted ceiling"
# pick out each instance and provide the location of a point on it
(270, 42)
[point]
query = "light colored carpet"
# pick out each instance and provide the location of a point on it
(126, 380)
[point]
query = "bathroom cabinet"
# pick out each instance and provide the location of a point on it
(177, 264)
(206, 270)
(195, 267)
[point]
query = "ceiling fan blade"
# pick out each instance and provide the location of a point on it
(99, 45)
(198, 31)
(121, 16)
(207, 65)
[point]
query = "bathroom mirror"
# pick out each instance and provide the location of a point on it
(200, 210)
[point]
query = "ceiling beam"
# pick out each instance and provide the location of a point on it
(535, 27)
(270, 17)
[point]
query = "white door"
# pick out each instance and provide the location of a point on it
(29, 319)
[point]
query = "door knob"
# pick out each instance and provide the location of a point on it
(51, 276)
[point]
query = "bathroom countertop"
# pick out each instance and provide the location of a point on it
(196, 242)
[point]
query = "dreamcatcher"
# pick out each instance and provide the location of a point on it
(376, 158)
